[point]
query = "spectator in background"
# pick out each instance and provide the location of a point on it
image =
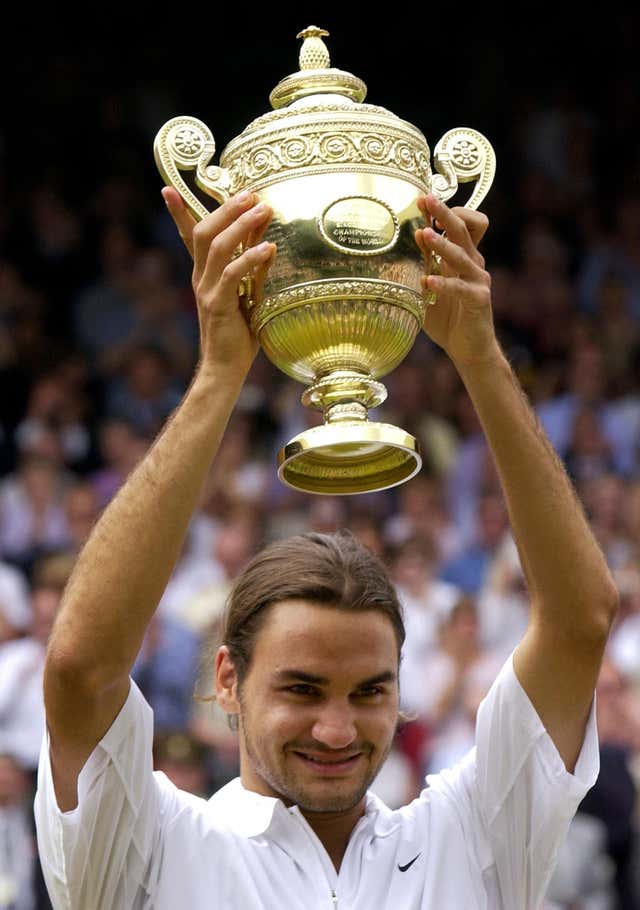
(469, 569)
(15, 607)
(58, 263)
(630, 514)
(167, 313)
(121, 447)
(472, 473)
(146, 392)
(407, 407)
(624, 645)
(617, 257)
(165, 671)
(55, 407)
(235, 543)
(503, 601)
(587, 390)
(18, 857)
(163, 317)
(22, 663)
(32, 518)
(589, 454)
(183, 759)
(421, 514)
(619, 334)
(81, 511)
(604, 498)
(454, 680)
(613, 798)
(103, 311)
(425, 599)
(240, 472)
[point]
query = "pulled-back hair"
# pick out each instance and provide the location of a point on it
(331, 569)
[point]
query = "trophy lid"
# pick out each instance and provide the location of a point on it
(316, 76)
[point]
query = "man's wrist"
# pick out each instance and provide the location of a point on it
(483, 366)
(213, 379)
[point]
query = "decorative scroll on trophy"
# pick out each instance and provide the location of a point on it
(343, 302)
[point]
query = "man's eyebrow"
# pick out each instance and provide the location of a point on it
(303, 676)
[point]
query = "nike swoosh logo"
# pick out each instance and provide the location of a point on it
(410, 863)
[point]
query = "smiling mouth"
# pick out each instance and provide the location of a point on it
(329, 766)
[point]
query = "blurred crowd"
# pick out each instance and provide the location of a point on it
(98, 341)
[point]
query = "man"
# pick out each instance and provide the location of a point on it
(316, 695)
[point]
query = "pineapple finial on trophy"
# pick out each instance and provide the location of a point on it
(313, 53)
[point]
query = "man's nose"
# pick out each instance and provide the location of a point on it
(334, 726)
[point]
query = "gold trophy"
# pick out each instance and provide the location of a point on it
(343, 302)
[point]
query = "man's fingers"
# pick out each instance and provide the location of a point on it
(260, 275)
(258, 233)
(216, 222)
(453, 289)
(184, 220)
(476, 222)
(225, 245)
(464, 226)
(456, 257)
(248, 263)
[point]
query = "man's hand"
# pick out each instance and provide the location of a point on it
(573, 597)
(460, 321)
(227, 345)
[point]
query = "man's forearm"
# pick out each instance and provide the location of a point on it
(126, 563)
(567, 575)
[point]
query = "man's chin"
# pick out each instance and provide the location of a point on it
(328, 798)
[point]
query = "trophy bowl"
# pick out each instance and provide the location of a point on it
(343, 303)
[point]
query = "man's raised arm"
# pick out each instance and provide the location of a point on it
(125, 565)
(573, 597)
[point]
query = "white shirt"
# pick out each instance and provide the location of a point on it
(483, 836)
(22, 719)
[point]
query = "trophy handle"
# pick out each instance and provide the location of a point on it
(463, 155)
(187, 144)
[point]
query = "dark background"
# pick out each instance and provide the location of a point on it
(83, 102)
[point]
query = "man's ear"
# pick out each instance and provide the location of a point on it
(226, 682)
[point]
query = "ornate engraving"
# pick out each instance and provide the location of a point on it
(466, 154)
(280, 116)
(338, 289)
(316, 150)
(460, 156)
(188, 142)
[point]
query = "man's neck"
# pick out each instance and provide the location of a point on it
(334, 829)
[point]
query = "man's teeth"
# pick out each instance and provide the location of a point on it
(320, 761)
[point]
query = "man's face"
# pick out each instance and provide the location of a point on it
(319, 705)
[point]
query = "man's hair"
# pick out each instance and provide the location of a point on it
(334, 570)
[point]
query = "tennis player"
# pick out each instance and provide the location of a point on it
(309, 665)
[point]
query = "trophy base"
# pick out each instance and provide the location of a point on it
(349, 457)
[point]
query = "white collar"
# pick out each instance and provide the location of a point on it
(249, 814)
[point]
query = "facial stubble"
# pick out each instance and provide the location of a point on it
(293, 791)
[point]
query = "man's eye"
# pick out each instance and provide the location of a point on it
(370, 691)
(302, 689)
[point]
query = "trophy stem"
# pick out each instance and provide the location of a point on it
(344, 395)
(352, 410)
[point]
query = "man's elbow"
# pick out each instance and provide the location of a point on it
(604, 610)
